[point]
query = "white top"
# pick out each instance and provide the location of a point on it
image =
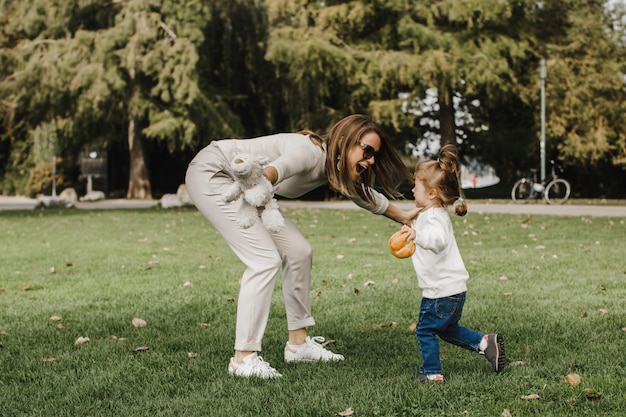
(437, 260)
(299, 162)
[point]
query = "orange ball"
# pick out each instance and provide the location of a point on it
(399, 247)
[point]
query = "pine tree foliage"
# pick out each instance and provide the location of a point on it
(586, 87)
(131, 63)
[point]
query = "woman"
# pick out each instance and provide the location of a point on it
(354, 155)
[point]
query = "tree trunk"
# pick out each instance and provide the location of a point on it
(138, 178)
(447, 123)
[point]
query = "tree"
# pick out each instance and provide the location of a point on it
(368, 53)
(585, 89)
(97, 66)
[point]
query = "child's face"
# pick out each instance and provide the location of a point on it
(424, 197)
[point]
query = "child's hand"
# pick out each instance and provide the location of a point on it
(401, 243)
(408, 233)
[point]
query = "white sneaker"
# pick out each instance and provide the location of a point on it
(253, 365)
(311, 351)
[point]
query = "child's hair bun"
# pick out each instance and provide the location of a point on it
(399, 247)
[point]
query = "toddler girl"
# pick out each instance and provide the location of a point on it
(441, 273)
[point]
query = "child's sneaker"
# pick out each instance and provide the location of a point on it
(494, 352)
(253, 365)
(430, 378)
(310, 351)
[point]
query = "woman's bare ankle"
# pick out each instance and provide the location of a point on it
(240, 354)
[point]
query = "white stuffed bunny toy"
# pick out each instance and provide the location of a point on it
(256, 193)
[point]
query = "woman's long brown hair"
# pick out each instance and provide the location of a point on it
(388, 173)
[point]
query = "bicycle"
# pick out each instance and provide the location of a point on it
(553, 190)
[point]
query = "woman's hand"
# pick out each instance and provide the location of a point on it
(271, 174)
(405, 217)
(411, 215)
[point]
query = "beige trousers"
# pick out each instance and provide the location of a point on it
(263, 253)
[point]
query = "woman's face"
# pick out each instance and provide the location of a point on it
(363, 155)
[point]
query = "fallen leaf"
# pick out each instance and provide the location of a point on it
(368, 283)
(530, 397)
(52, 270)
(81, 341)
(137, 322)
(48, 360)
(328, 342)
(506, 413)
(111, 337)
(26, 288)
(346, 412)
(60, 326)
(572, 379)
(518, 363)
(187, 284)
(356, 291)
(140, 349)
(503, 278)
(340, 256)
(591, 395)
(201, 324)
(55, 318)
(394, 281)
(604, 311)
(192, 355)
(411, 328)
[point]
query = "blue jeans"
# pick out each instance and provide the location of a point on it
(440, 317)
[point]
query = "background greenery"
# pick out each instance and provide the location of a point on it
(553, 286)
(149, 82)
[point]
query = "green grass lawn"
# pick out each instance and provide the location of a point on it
(553, 286)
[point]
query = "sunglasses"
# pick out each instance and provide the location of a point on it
(368, 151)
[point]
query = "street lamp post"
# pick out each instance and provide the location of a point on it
(542, 146)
